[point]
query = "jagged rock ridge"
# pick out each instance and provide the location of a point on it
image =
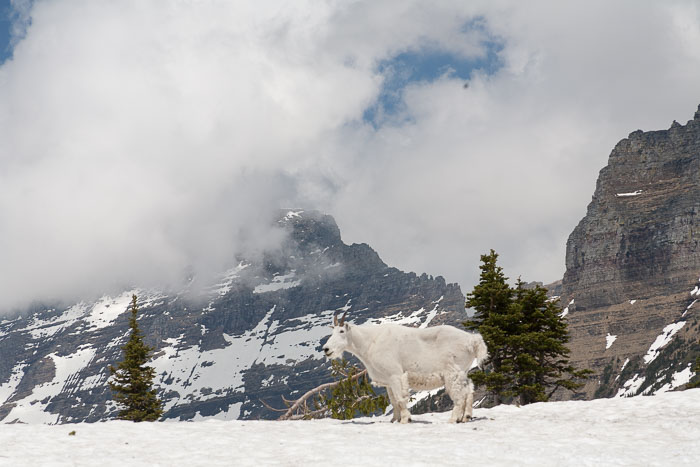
(633, 262)
(254, 336)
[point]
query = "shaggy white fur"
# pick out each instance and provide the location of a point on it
(400, 358)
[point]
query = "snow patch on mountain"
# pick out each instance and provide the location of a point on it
(100, 315)
(629, 194)
(107, 309)
(299, 340)
(566, 310)
(624, 364)
(431, 314)
(678, 379)
(279, 282)
(631, 386)
(7, 389)
(661, 341)
(31, 408)
(689, 307)
(293, 214)
(609, 340)
(227, 279)
(44, 328)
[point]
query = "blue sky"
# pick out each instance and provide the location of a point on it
(5, 10)
(425, 66)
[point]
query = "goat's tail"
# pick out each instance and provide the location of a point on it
(480, 350)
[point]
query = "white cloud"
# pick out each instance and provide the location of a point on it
(511, 162)
(137, 138)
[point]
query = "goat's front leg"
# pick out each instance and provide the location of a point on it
(399, 386)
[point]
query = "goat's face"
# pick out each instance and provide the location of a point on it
(338, 342)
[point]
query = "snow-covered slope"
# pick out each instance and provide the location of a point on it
(651, 431)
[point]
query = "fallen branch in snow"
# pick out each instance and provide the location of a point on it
(300, 404)
(312, 414)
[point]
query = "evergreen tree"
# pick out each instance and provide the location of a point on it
(132, 380)
(352, 396)
(491, 301)
(541, 356)
(526, 337)
(492, 295)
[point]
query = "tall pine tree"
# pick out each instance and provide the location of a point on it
(526, 337)
(491, 301)
(132, 380)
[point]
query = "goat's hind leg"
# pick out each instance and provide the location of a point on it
(457, 387)
(470, 401)
(396, 415)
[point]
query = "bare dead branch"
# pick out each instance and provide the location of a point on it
(269, 407)
(302, 400)
(287, 401)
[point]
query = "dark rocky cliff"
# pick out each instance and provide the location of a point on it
(254, 335)
(633, 262)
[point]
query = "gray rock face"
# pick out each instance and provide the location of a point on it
(256, 335)
(633, 260)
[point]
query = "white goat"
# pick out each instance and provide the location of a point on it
(399, 358)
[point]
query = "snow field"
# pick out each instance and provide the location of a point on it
(656, 430)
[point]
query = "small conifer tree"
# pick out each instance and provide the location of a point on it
(541, 356)
(132, 382)
(352, 396)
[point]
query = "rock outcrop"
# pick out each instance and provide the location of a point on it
(633, 263)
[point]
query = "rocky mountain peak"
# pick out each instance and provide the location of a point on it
(634, 257)
(637, 236)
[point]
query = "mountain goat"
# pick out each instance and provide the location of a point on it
(399, 358)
